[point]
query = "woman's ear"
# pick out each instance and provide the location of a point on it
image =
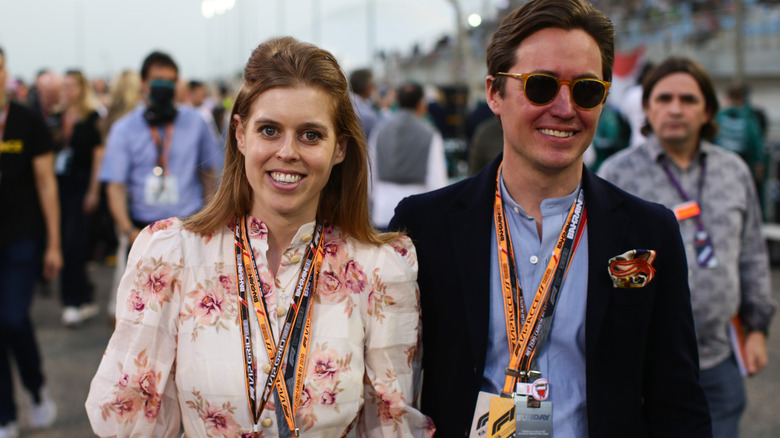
(341, 151)
(239, 134)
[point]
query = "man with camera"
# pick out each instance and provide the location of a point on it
(160, 159)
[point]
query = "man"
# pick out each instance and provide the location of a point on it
(160, 159)
(29, 243)
(197, 96)
(739, 131)
(712, 193)
(407, 155)
(620, 362)
(487, 143)
(48, 87)
(361, 82)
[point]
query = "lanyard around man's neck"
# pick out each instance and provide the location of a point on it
(525, 343)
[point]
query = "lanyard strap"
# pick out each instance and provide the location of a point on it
(307, 282)
(512, 292)
(682, 192)
(163, 149)
(533, 335)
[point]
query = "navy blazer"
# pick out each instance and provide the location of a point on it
(641, 354)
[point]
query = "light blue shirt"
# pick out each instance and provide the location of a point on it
(562, 361)
(131, 155)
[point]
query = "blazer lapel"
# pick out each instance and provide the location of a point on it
(471, 225)
(607, 229)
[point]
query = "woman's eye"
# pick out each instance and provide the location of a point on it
(311, 135)
(269, 131)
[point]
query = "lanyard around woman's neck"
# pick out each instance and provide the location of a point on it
(295, 331)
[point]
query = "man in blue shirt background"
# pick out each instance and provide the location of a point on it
(160, 159)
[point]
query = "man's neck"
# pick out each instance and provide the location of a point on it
(682, 154)
(528, 188)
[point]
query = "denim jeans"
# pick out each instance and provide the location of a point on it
(725, 392)
(20, 267)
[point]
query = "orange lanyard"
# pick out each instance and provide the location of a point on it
(163, 149)
(295, 331)
(524, 343)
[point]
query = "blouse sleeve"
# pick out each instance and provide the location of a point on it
(133, 392)
(392, 348)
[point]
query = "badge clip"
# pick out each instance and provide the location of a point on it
(532, 375)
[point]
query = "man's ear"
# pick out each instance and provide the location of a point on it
(240, 139)
(492, 95)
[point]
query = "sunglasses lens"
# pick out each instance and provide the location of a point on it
(540, 89)
(588, 93)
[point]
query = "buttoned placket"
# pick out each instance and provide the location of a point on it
(288, 272)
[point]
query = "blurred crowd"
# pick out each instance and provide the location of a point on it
(420, 138)
(473, 130)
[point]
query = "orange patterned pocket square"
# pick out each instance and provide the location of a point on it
(632, 268)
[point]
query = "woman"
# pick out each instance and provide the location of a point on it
(203, 303)
(124, 95)
(77, 165)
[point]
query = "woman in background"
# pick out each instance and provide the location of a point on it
(77, 165)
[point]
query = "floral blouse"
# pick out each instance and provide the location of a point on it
(176, 356)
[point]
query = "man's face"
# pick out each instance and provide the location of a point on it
(197, 96)
(676, 110)
(549, 138)
(49, 87)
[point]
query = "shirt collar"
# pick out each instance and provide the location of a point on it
(303, 236)
(657, 151)
(550, 206)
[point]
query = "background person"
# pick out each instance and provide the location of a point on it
(160, 159)
(739, 130)
(198, 97)
(361, 82)
(293, 202)
(407, 155)
(712, 192)
(77, 166)
(29, 246)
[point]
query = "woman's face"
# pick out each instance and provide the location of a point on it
(71, 90)
(290, 145)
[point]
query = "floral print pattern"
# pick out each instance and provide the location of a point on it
(135, 393)
(218, 419)
(178, 322)
(210, 304)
